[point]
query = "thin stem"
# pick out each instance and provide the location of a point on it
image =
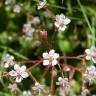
(45, 71)
(61, 70)
(52, 83)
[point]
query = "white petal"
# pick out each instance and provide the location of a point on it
(54, 62)
(92, 67)
(12, 73)
(45, 62)
(62, 28)
(56, 24)
(23, 68)
(16, 67)
(94, 60)
(62, 16)
(19, 79)
(51, 52)
(24, 74)
(57, 17)
(6, 65)
(88, 57)
(59, 78)
(67, 21)
(87, 51)
(56, 55)
(45, 55)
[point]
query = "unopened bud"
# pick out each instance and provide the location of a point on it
(43, 34)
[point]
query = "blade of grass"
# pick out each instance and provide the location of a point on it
(14, 52)
(87, 21)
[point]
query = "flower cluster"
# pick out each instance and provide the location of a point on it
(50, 58)
(61, 22)
(28, 31)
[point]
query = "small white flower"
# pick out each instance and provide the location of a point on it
(19, 73)
(14, 87)
(8, 60)
(27, 93)
(61, 22)
(38, 88)
(63, 82)
(50, 58)
(35, 20)
(10, 2)
(91, 54)
(64, 87)
(90, 74)
(28, 30)
(17, 8)
(41, 4)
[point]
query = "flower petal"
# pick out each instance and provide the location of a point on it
(45, 55)
(19, 79)
(23, 68)
(24, 74)
(94, 60)
(12, 73)
(54, 62)
(67, 21)
(51, 52)
(88, 57)
(62, 28)
(45, 62)
(56, 24)
(62, 16)
(56, 55)
(16, 67)
(87, 51)
(6, 65)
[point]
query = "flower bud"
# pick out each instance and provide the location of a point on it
(43, 34)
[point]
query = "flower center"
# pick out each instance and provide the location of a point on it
(62, 23)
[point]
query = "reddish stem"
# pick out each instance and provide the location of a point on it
(52, 82)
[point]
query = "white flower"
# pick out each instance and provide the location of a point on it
(61, 22)
(19, 73)
(27, 93)
(64, 87)
(17, 8)
(63, 82)
(50, 58)
(38, 88)
(28, 30)
(91, 54)
(90, 74)
(35, 20)
(8, 60)
(41, 4)
(14, 87)
(10, 2)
